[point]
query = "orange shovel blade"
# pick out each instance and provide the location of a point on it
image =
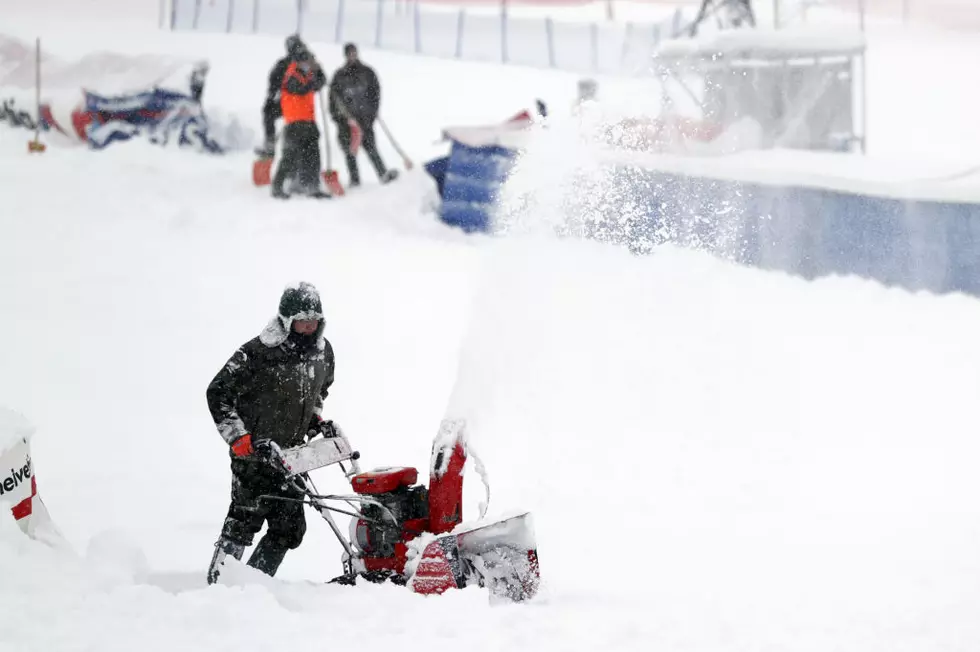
(262, 172)
(333, 183)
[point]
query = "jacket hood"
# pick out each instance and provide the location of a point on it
(276, 332)
(298, 301)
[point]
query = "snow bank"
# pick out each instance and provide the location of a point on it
(14, 428)
(731, 448)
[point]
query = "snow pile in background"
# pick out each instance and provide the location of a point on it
(100, 72)
(108, 74)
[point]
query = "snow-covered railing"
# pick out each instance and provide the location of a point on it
(586, 47)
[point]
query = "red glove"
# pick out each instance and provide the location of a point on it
(242, 446)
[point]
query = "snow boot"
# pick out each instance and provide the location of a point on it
(279, 193)
(389, 176)
(222, 549)
(267, 557)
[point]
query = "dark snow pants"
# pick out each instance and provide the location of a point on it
(368, 142)
(300, 157)
(247, 514)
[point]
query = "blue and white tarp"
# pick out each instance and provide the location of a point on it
(470, 178)
(161, 116)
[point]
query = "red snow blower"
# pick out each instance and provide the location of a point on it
(413, 535)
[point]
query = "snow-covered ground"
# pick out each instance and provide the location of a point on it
(717, 458)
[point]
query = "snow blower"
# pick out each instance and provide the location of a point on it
(412, 535)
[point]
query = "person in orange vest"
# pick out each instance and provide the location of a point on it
(301, 151)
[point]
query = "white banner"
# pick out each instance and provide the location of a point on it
(18, 484)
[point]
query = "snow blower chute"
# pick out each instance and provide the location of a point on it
(411, 534)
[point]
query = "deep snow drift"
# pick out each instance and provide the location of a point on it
(717, 458)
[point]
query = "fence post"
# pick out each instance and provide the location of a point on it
(549, 30)
(656, 35)
(678, 19)
(627, 38)
(339, 29)
(299, 16)
(594, 32)
(197, 14)
(231, 16)
(162, 11)
(173, 15)
(379, 22)
(460, 23)
(255, 16)
(417, 23)
(503, 31)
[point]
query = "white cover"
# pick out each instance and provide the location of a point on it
(512, 135)
(316, 454)
(18, 486)
(796, 40)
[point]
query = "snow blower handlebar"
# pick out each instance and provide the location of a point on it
(296, 463)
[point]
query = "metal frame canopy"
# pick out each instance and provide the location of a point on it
(806, 88)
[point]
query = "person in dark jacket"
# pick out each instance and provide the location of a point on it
(301, 151)
(271, 111)
(271, 390)
(355, 96)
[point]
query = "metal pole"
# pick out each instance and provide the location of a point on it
(861, 13)
(864, 101)
(503, 31)
(775, 13)
(460, 26)
(37, 89)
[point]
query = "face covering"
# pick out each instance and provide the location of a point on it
(302, 342)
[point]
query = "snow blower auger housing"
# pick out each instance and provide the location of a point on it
(413, 535)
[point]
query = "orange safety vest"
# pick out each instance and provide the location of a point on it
(296, 108)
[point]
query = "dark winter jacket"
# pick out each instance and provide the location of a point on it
(271, 388)
(276, 75)
(315, 82)
(357, 87)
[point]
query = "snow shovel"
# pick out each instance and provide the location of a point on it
(262, 168)
(262, 172)
(329, 175)
(407, 162)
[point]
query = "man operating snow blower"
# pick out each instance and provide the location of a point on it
(270, 393)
